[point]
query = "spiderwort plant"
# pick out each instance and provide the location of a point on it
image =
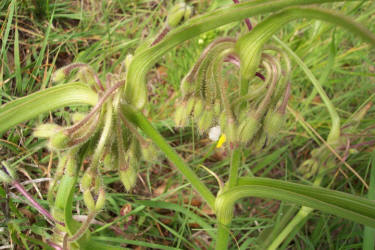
(249, 113)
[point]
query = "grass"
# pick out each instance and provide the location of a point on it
(162, 211)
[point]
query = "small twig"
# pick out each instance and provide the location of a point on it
(85, 225)
(33, 181)
(287, 93)
(105, 96)
(33, 202)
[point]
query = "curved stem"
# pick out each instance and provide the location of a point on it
(85, 225)
(222, 237)
(31, 106)
(93, 111)
(104, 136)
(335, 118)
(262, 108)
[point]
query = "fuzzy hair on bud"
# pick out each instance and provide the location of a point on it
(180, 115)
(86, 180)
(198, 107)
(46, 130)
(177, 13)
(128, 177)
(71, 166)
(206, 120)
(59, 75)
(100, 202)
(273, 122)
(88, 200)
(86, 75)
(248, 128)
(59, 141)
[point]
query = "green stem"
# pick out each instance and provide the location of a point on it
(234, 166)
(104, 136)
(340, 204)
(222, 238)
(138, 119)
(31, 106)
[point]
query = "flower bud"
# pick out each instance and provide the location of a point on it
(149, 152)
(260, 142)
(128, 177)
(71, 166)
(109, 161)
(248, 128)
(308, 168)
(206, 120)
(86, 180)
(100, 202)
(186, 87)
(177, 13)
(217, 108)
(273, 123)
(59, 141)
(198, 107)
(87, 76)
(59, 75)
(88, 200)
(180, 115)
(46, 130)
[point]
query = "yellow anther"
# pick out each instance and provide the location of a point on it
(221, 141)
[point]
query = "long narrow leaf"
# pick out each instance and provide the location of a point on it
(337, 203)
(30, 106)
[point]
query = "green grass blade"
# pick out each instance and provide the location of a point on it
(132, 242)
(31, 106)
(5, 35)
(369, 233)
(17, 62)
(179, 208)
(39, 60)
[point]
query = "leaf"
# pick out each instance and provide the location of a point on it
(31, 106)
(348, 206)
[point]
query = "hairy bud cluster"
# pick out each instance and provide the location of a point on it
(251, 118)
